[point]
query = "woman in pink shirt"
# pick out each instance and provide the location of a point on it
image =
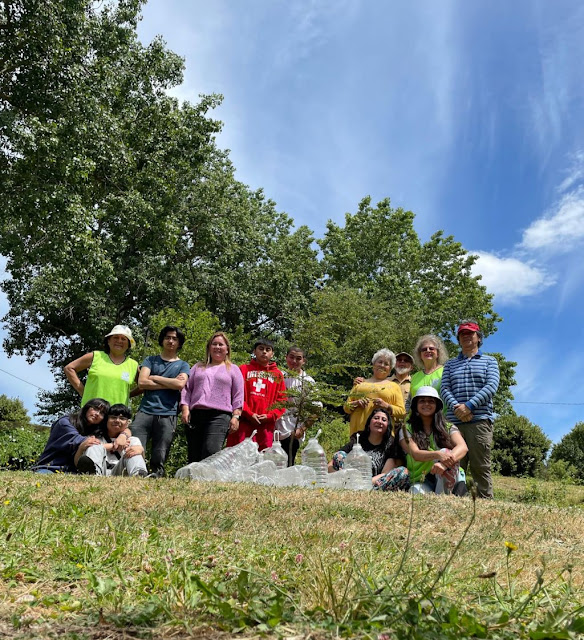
(212, 400)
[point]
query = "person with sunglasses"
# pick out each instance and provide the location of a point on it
(429, 355)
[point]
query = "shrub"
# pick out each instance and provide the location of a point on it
(519, 446)
(559, 470)
(570, 449)
(21, 446)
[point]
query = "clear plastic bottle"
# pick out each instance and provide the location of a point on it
(220, 467)
(296, 476)
(345, 479)
(276, 453)
(358, 459)
(313, 456)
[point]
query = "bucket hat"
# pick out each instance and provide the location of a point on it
(427, 392)
(122, 330)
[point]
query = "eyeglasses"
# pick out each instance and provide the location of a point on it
(422, 349)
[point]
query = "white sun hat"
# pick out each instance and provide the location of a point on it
(122, 330)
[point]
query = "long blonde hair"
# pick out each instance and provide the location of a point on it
(219, 334)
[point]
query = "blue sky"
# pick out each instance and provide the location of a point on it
(468, 114)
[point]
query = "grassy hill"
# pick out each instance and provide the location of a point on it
(104, 558)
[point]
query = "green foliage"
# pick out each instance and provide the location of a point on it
(519, 446)
(21, 446)
(343, 331)
(502, 400)
(21, 442)
(178, 456)
(570, 449)
(335, 434)
(12, 411)
(559, 470)
(425, 284)
(196, 322)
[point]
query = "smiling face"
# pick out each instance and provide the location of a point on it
(218, 350)
(115, 425)
(118, 344)
(429, 354)
(94, 416)
(379, 423)
(403, 364)
(426, 406)
(381, 368)
(295, 360)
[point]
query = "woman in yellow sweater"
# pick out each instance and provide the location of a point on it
(375, 392)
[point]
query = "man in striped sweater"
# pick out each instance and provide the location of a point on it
(469, 383)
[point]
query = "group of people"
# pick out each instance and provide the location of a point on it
(420, 429)
(449, 409)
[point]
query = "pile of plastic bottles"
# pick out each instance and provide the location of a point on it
(244, 463)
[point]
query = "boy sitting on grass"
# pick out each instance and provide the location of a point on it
(263, 387)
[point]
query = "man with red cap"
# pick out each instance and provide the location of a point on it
(469, 383)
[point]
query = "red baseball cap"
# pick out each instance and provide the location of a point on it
(468, 326)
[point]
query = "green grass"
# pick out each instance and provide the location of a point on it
(117, 558)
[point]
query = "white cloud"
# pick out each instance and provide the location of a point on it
(575, 173)
(562, 229)
(510, 278)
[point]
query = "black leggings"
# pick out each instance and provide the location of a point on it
(206, 433)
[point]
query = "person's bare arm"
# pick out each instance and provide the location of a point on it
(73, 368)
(149, 382)
(176, 384)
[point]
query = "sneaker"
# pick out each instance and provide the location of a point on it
(86, 465)
(460, 489)
(141, 473)
(153, 475)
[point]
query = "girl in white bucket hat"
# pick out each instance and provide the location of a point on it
(434, 447)
(110, 372)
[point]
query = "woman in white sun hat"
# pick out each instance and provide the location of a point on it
(110, 373)
(434, 447)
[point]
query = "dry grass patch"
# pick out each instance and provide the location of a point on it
(150, 554)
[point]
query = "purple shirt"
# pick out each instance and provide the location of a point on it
(214, 387)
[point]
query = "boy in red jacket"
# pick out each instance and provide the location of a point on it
(263, 387)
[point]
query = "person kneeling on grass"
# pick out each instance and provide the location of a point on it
(118, 453)
(380, 444)
(434, 447)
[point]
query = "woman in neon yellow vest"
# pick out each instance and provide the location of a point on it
(110, 373)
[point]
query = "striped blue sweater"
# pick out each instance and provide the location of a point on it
(470, 381)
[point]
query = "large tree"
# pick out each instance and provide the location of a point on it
(117, 203)
(383, 286)
(379, 252)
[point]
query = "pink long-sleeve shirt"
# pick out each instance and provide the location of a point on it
(214, 387)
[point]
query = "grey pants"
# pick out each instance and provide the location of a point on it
(479, 439)
(160, 430)
(107, 464)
